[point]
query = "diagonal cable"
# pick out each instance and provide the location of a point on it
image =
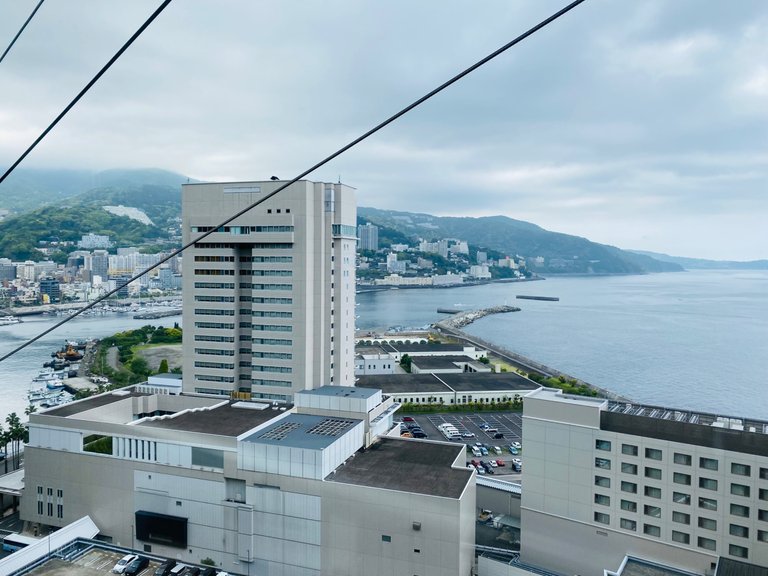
(21, 30)
(88, 86)
(338, 152)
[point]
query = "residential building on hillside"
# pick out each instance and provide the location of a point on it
(369, 236)
(684, 489)
(269, 298)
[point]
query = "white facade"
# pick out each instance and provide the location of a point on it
(665, 485)
(269, 299)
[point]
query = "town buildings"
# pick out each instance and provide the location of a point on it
(269, 298)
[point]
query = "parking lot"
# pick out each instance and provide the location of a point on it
(96, 561)
(475, 428)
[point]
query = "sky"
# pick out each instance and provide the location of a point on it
(638, 124)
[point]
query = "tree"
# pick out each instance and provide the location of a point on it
(17, 432)
(406, 362)
(163, 369)
(5, 439)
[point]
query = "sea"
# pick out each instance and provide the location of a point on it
(693, 340)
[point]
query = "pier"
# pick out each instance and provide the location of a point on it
(544, 298)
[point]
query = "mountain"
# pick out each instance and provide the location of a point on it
(71, 217)
(544, 251)
(27, 189)
(703, 264)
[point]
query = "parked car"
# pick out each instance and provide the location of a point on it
(210, 571)
(517, 445)
(408, 419)
(122, 564)
(165, 568)
(512, 450)
(500, 462)
(418, 434)
(484, 451)
(468, 434)
(498, 435)
(135, 567)
(493, 463)
(191, 571)
(480, 469)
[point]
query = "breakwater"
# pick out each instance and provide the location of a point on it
(544, 298)
(461, 319)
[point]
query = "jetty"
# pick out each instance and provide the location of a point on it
(461, 319)
(157, 314)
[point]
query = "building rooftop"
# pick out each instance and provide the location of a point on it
(441, 383)
(342, 391)
(303, 431)
(639, 567)
(79, 406)
(416, 466)
(728, 567)
(441, 362)
(225, 419)
(421, 347)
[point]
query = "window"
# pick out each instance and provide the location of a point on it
(651, 530)
(763, 494)
(385, 538)
(738, 551)
(603, 445)
(682, 459)
(681, 517)
(628, 524)
(628, 468)
(653, 473)
(681, 498)
(762, 515)
(680, 478)
(602, 481)
(602, 518)
(652, 492)
(741, 469)
(681, 537)
(739, 510)
(740, 531)
(708, 483)
(629, 449)
(762, 536)
(630, 487)
(602, 499)
(707, 523)
(705, 543)
(40, 507)
(708, 463)
(603, 463)
(740, 490)
(763, 473)
(707, 504)
(629, 506)
(654, 511)
(653, 453)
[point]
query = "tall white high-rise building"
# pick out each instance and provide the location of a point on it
(369, 236)
(269, 299)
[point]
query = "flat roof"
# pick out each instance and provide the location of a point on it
(403, 383)
(86, 404)
(223, 420)
(640, 567)
(423, 347)
(405, 465)
(342, 391)
(452, 382)
(436, 362)
(304, 431)
(728, 567)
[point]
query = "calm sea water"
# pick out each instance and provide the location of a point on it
(17, 371)
(694, 340)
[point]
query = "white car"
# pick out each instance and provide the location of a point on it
(122, 564)
(517, 461)
(517, 445)
(493, 463)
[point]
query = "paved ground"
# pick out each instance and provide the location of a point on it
(507, 423)
(92, 563)
(155, 354)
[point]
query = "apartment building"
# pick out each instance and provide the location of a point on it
(269, 298)
(676, 487)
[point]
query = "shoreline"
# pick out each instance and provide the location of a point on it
(449, 328)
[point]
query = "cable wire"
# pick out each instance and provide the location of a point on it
(288, 183)
(88, 86)
(21, 30)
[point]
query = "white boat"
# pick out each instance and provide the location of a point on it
(48, 378)
(9, 320)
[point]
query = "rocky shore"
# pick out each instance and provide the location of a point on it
(462, 319)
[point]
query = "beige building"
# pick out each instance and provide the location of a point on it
(269, 298)
(675, 487)
(259, 489)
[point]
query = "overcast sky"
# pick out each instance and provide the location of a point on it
(641, 124)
